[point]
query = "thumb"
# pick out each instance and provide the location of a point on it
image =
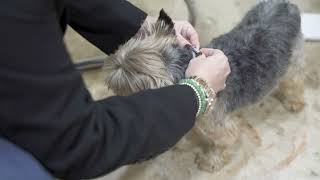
(182, 41)
(208, 51)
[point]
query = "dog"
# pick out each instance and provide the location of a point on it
(264, 52)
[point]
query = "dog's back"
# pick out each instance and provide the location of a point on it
(259, 51)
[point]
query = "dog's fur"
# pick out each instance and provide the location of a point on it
(260, 50)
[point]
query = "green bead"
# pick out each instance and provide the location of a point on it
(200, 92)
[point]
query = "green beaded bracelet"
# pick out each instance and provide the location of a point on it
(198, 97)
(200, 93)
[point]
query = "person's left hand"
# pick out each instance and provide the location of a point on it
(186, 34)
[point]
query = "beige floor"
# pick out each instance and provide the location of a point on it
(275, 145)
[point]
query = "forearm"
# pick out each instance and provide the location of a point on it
(105, 23)
(138, 127)
(75, 138)
(46, 109)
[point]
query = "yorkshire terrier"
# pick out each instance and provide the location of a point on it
(263, 52)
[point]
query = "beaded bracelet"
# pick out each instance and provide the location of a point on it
(210, 93)
(205, 94)
(200, 92)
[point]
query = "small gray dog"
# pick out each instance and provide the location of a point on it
(261, 50)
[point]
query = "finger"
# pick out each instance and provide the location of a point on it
(191, 34)
(199, 58)
(218, 51)
(208, 51)
(211, 52)
(182, 41)
(194, 40)
(193, 37)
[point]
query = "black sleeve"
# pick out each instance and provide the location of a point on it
(46, 109)
(105, 23)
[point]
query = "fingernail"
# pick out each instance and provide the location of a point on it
(188, 46)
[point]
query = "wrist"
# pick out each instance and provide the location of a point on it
(199, 93)
(205, 95)
(210, 93)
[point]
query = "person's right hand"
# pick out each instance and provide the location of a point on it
(212, 66)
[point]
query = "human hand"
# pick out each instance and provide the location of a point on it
(186, 34)
(212, 66)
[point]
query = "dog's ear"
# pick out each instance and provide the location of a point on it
(164, 24)
(163, 16)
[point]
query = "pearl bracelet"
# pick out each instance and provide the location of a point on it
(205, 94)
(211, 94)
(200, 93)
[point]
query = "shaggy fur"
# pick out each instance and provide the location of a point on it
(151, 61)
(260, 49)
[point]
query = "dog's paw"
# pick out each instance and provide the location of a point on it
(209, 162)
(293, 106)
(291, 94)
(290, 103)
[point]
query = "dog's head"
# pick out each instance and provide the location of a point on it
(150, 61)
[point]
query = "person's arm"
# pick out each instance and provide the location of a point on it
(105, 23)
(46, 109)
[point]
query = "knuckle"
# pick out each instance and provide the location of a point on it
(224, 63)
(226, 70)
(218, 55)
(191, 63)
(218, 51)
(222, 56)
(225, 58)
(229, 69)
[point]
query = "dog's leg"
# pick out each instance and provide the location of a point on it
(290, 91)
(212, 160)
(222, 136)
